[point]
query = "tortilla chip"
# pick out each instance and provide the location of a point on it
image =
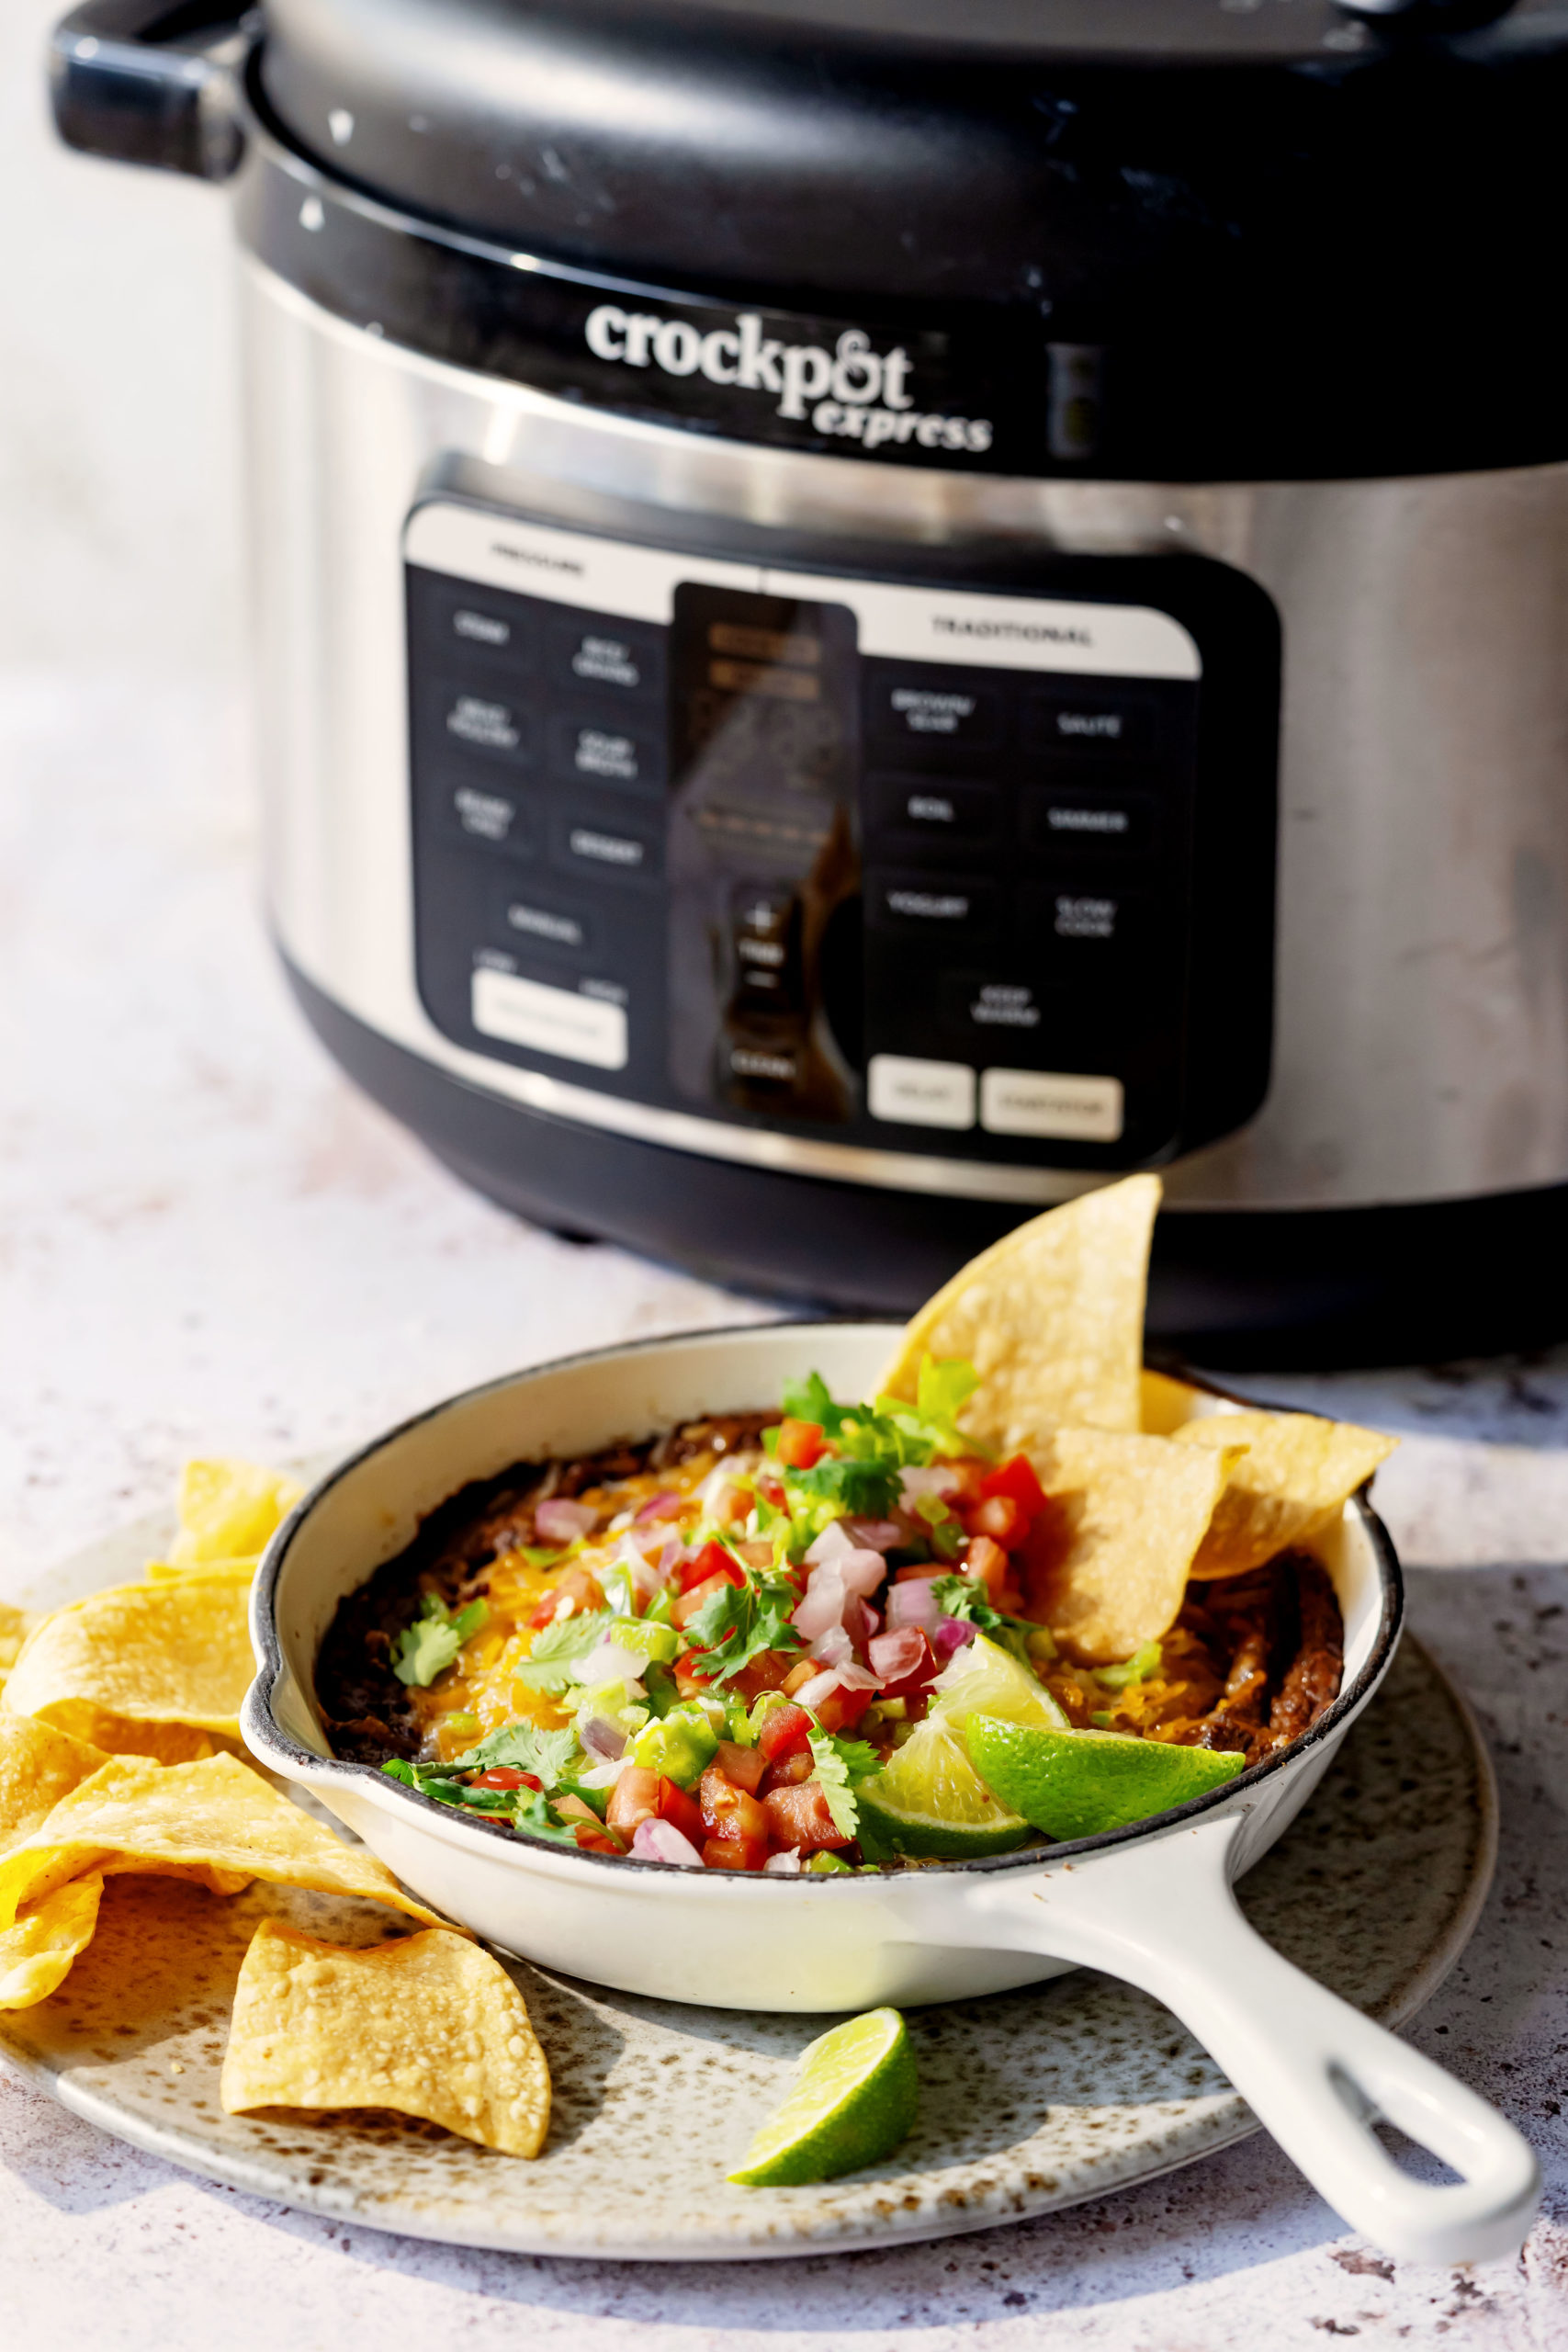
(170, 1572)
(15, 1627)
(1107, 1565)
(1050, 1317)
(36, 1949)
(216, 1821)
(142, 1669)
(1165, 1404)
(1295, 1476)
(38, 1765)
(228, 1509)
(432, 2026)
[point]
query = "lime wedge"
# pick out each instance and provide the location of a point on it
(854, 2099)
(929, 1800)
(988, 1681)
(1078, 1783)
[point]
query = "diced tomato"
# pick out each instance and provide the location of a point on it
(1000, 1519)
(915, 1682)
(683, 1610)
(689, 1677)
(841, 1709)
(965, 1481)
(787, 1773)
(766, 1671)
(744, 1766)
(578, 1586)
(634, 1798)
(987, 1564)
(1015, 1478)
(506, 1776)
(922, 1573)
(735, 1853)
(711, 1561)
(800, 1444)
(591, 1838)
(730, 1812)
(772, 1490)
(784, 1731)
(676, 1806)
(799, 1818)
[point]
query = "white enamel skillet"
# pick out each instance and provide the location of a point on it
(1152, 1905)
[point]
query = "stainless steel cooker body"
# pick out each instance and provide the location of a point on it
(1421, 1025)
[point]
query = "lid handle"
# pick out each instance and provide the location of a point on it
(146, 81)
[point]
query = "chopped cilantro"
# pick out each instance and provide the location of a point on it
(858, 1489)
(526, 1809)
(742, 1621)
(428, 1646)
(558, 1645)
(965, 1597)
(841, 1765)
(545, 1754)
(536, 1816)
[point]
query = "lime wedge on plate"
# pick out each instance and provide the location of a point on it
(1080, 1783)
(986, 1680)
(929, 1800)
(853, 2101)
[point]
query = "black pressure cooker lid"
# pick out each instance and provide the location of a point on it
(1308, 238)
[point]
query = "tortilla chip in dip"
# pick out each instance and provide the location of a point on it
(142, 1669)
(216, 1821)
(228, 1509)
(1108, 1564)
(38, 1765)
(431, 2026)
(38, 1947)
(1050, 1317)
(1296, 1475)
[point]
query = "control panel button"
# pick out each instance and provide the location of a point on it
(605, 752)
(995, 1004)
(609, 654)
(1091, 929)
(573, 1028)
(481, 723)
(493, 632)
(1094, 824)
(498, 819)
(585, 845)
(1087, 722)
(937, 712)
(533, 921)
(932, 808)
(932, 906)
(916, 1094)
(1046, 1103)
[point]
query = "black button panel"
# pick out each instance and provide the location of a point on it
(740, 865)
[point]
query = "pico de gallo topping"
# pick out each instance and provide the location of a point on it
(702, 1649)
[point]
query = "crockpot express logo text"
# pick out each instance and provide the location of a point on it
(852, 391)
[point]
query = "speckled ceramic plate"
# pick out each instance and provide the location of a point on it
(1030, 2101)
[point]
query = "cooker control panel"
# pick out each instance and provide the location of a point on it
(961, 868)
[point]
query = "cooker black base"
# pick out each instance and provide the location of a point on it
(1281, 1289)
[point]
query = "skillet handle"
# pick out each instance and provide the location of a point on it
(1316, 2072)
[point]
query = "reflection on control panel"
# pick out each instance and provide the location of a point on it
(762, 848)
(906, 868)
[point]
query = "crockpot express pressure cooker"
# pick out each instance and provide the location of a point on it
(872, 611)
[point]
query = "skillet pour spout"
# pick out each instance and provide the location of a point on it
(1152, 1905)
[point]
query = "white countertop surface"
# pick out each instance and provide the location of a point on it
(209, 1242)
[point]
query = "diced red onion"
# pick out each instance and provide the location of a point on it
(862, 1571)
(913, 1602)
(832, 1647)
(662, 1506)
(852, 1676)
(670, 1559)
(603, 1776)
(660, 1841)
(835, 1538)
(811, 1694)
(950, 1634)
(823, 1605)
(563, 1523)
(861, 1621)
(608, 1663)
(603, 1738)
(934, 1478)
(786, 1865)
(896, 1655)
(872, 1535)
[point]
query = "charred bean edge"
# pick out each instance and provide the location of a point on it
(267, 1739)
